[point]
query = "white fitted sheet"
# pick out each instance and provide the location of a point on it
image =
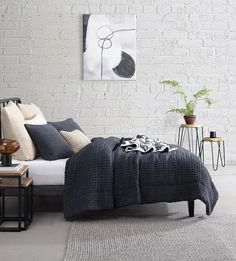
(45, 172)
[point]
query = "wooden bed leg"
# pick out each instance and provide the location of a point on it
(191, 208)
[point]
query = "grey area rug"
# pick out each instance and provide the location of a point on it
(112, 237)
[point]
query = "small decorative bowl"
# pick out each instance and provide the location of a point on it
(7, 147)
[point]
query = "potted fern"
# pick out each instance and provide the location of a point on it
(190, 104)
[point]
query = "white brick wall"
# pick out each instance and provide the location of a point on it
(192, 41)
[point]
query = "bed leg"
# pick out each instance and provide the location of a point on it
(191, 208)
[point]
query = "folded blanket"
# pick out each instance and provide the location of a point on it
(144, 144)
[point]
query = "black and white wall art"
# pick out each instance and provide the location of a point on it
(109, 47)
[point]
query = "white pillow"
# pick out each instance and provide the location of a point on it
(38, 119)
(29, 110)
(76, 139)
(13, 128)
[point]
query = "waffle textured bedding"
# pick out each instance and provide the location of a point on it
(103, 176)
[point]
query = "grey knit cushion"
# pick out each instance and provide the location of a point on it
(49, 142)
(66, 125)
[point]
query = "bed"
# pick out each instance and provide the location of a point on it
(103, 176)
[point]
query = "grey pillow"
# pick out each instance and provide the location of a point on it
(66, 125)
(48, 142)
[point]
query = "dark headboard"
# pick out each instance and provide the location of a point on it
(3, 103)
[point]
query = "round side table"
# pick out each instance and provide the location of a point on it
(194, 134)
(220, 152)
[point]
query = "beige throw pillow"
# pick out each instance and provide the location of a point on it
(13, 128)
(30, 110)
(76, 139)
(38, 119)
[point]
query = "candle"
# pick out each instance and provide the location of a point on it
(212, 134)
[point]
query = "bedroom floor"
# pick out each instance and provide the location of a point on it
(46, 238)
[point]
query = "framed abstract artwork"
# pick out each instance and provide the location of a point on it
(109, 47)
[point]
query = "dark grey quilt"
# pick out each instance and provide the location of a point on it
(103, 176)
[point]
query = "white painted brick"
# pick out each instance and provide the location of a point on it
(1, 75)
(8, 59)
(150, 9)
(178, 8)
(16, 50)
(175, 35)
(181, 26)
(167, 59)
(16, 73)
(201, 35)
(201, 18)
(201, 52)
(107, 9)
(163, 7)
(189, 41)
(115, 130)
(201, 69)
(8, 25)
(215, 26)
(200, 7)
(232, 48)
(216, 43)
(106, 104)
(121, 9)
(17, 34)
(221, 36)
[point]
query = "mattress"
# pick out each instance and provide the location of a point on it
(46, 172)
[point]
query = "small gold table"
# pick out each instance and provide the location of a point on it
(194, 137)
(220, 154)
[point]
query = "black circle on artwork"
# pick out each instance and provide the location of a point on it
(105, 43)
(126, 67)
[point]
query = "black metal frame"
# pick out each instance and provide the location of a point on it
(199, 136)
(219, 154)
(27, 218)
(191, 208)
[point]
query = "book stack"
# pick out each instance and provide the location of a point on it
(11, 169)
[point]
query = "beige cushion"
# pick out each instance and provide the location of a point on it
(29, 110)
(76, 139)
(38, 119)
(13, 128)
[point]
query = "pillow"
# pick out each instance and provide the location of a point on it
(76, 139)
(14, 129)
(38, 119)
(29, 110)
(66, 125)
(49, 142)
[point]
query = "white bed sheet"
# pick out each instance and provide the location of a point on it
(46, 172)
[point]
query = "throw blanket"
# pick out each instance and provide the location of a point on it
(144, 144)
(103, 176)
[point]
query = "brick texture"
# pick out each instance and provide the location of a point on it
(193, 42)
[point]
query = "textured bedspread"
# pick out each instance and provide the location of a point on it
(103, 176)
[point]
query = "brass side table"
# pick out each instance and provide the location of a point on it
(220, 151)
(20, 182)
(194, 134)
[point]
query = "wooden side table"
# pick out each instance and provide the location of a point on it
(220, 154)
(19, 181)
(194, 135)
